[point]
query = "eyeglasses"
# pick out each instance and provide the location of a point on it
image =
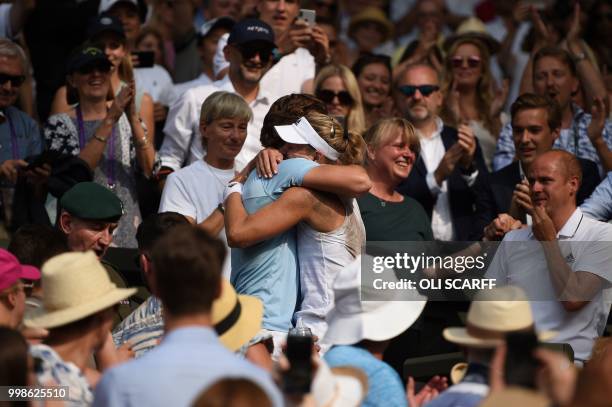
(249, 51)
(90, 68)
(328, 96)
(16, 80)
(458, 61)
(425, 90)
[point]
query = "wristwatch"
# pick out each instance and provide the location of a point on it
(221, 208)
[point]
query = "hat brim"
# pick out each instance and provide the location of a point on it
(460, 336)
(289, 134)
(42, 318)
(386, 25)
(247, 325)
(380, 324)
(491, 43)
(29, 272)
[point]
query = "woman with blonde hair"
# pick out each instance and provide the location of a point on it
(392, 150)
(337, 87)
(330, 232)
(471, 93)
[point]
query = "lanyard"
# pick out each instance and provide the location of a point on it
(110, 177)
(14, 145)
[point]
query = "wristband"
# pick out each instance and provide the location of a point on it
(231, 188)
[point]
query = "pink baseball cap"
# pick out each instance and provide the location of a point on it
(11, 270)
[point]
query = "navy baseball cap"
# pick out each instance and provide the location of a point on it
(87, 55)
(249, 30)
(104, 23)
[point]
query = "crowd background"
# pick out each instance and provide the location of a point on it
(122, 122)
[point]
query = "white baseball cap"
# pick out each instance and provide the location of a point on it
(301, 132)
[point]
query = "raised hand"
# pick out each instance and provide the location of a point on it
(501, 225)
(9, 169)
(521, 200)
(467, 141)
(121, 101)
(544, 35)
(267, 161)
(448, 163)
(598, 120)
(542, 225)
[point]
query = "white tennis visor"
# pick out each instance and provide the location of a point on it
(301, 132)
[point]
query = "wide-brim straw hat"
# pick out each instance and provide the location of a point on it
(236, 318)
(473, 29)
(341, 386)
(383, 316)
(372, 14)
(75, 286)
(492, 315)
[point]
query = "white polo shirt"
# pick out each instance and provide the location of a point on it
(183, 140)
(288, 75)
(586, 244)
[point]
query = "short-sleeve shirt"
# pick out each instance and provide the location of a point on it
(268, 269)
(57, 372)
(586, 246)
(196, 191)
(385, 387)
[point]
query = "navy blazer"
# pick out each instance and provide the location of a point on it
(461, 196)
(495, 195)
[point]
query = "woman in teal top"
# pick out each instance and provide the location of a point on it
(393, 147)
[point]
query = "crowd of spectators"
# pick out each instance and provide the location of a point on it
(194, 193)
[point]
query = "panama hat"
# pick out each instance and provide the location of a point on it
(493, 314)
(75, 286)
(372, 14)
(340, 386)
(474, 29)
(236, 318)
(383, 316)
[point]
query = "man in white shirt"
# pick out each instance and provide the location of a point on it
(563, 261)
(249, 52)
(196, 191)
(450, 162)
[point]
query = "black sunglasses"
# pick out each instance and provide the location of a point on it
(425, 90)
(16, 80)
(90, 68)
(249, 51)
(328, 96)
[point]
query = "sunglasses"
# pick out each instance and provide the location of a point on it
(425, 90)
(472, 61)
(16, 81)
(90, 68)
(249, 52)
(328, 96)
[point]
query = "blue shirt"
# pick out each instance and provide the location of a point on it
(187, 362)
(469, 392)
(268, 270)
(575, 140)
(599, 204)
(385, 387)
(27, 132)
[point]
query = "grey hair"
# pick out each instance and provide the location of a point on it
(224, 105)
(9, 49)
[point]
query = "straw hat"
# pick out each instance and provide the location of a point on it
(493, 314)
(458, 372)
(372, 14)
(341, 386)
(76, 286)
(236, 318)
(473, 28)
(384, 316)
(516, 396)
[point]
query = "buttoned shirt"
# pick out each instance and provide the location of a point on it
(599, 204)
(574, 139)
(585, 245)
(432, 152)
(187, 361)
(183, 141)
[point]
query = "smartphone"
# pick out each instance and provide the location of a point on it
(298, 378)
(310, 16)
(46, 157)
(146, 59)
(521, 365)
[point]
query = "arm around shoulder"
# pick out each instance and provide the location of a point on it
(344, 180)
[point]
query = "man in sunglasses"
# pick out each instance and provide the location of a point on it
(249, 53)
(19, 135)
(450, 163)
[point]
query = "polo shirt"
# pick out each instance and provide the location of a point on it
(175, 373)
(183, 141)
(27, 132)
(586, 245)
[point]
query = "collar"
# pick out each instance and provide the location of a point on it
(570, 227)
(576, 111)
(191, 334)
(437, 133)
(263, 96)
